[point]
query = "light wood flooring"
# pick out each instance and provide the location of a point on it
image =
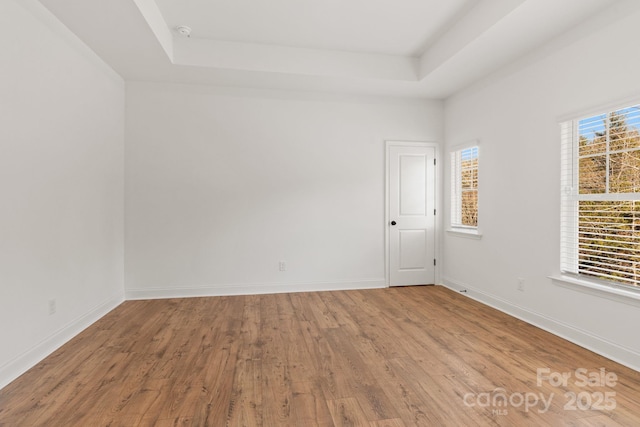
(391, 357)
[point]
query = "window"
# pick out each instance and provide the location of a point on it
(600, 220)
(464, 189)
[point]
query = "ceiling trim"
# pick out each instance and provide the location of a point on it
(292, 60)
(151, 13)
(472, 25)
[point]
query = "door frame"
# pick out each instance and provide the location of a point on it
(437, 201)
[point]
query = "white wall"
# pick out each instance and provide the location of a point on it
(515, 116)
(224, 184)
(61, 186)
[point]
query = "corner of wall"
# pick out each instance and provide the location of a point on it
(18, 366)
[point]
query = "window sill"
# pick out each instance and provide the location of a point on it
(467, 233)
(628, 296)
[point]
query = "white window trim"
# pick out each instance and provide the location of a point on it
(591, 285)
(469, 233)
(464, 230)
(595, 287)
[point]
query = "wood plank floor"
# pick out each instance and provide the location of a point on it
(391, 357)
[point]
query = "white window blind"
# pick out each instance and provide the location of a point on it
(600, 196)
(464, 188)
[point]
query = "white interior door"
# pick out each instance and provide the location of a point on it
(411, 214)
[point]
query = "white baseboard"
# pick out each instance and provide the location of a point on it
(251, 289)
(18, 366)
(599, 345)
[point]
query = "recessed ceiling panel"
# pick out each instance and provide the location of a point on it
(399, 27)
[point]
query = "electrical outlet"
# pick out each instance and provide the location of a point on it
(282, 266)
(52, 307)
(520, 284)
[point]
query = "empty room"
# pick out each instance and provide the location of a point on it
(320, 213)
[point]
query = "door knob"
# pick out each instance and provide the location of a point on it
(393, 223)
